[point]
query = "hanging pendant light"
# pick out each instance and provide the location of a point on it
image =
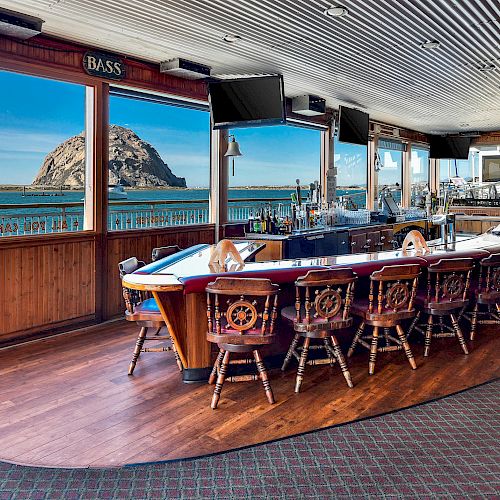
(233, 150)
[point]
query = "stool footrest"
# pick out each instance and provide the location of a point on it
(156, 349)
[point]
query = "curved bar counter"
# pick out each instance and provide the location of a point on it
(178, 284)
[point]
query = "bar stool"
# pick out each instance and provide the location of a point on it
(488, 294)
(146, 313)
(241, 315)
(162, 252)
(323, 300)
(397, 287)
(447, 292)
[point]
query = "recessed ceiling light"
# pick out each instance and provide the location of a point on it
(430, 44)
(231, 38)
(337, 11)
(464, 125)
(487, 67)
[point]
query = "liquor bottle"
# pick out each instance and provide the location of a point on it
(256, 224)
(250, 222)
(276, 223)
(262, 222)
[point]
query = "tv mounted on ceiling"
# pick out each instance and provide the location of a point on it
(353, 126)
(247, 102)
(449, 147)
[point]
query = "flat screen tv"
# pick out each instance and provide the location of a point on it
(247, 102)
(454, 148)
(353, 126)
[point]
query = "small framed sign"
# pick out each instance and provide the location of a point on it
(104, 65)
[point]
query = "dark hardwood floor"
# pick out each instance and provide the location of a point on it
(67, 401)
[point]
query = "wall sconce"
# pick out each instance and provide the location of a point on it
(233, 149)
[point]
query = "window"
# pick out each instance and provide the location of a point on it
(159, 162)
(389, 167)
(351, 162)
(273, 158)
(419, 174)
(43, 157)
(467, 169)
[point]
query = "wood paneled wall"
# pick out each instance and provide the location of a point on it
(46, 284)
(122, 245)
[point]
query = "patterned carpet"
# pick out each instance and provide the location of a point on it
(448, 448)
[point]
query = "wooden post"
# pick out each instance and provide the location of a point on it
(100, 192)
(328, 172)
(219, 180)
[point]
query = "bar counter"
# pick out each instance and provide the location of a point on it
(178, 283)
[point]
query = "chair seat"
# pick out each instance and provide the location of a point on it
(147, 310)
(443, 306)
(489, 298)
(317, 324)
(386, 318)
(250, 337)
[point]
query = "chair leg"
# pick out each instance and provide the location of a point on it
(138, 348)
(291, 349)
(158, 331)
(473, 322)
(302, 364)
(359, 332)
(263, 376)
(428, 335)
(176, 356)
(220, 380)
(215, 369)
(341, 360)
(406, 347)
(414, 323)
(329, 351)
(373, 351)
(459, 333)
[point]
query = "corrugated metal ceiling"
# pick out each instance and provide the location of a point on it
(370, 59)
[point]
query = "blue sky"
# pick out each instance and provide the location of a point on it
(37, 114)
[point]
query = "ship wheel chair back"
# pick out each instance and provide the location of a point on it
(448, 282)
(390, 302)
(488, 295)
(241, 314)
(145, 312)
(322, 306)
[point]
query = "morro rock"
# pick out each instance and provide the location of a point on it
(132, 162)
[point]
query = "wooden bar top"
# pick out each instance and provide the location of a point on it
(170, 273)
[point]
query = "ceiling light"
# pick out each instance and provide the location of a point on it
(487, 67)
(337, 11)
(464, 124)
(231, 38)
(430, 44)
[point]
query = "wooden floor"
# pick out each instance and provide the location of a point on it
(67, 401)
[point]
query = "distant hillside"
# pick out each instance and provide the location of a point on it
(132, 162)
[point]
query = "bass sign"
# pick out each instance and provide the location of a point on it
(103, 65)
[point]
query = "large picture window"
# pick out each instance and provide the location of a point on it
(389, 167)
(351, 162)
(419, 174)
(159, 163)
(272, 159)
(43, 158)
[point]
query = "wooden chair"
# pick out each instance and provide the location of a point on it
(386, 308)
(162, 252)
(241, 315)
(488, 294)
(447, 294)
(145, 312)
(323, 300)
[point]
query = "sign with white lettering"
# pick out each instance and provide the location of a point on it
(104, 65)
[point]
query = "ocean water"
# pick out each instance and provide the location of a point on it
(22, 215)
(15, 198)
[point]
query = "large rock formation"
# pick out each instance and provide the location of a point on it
(132, 162)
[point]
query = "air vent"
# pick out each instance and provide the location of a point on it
(185, 69)
(18, 25)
